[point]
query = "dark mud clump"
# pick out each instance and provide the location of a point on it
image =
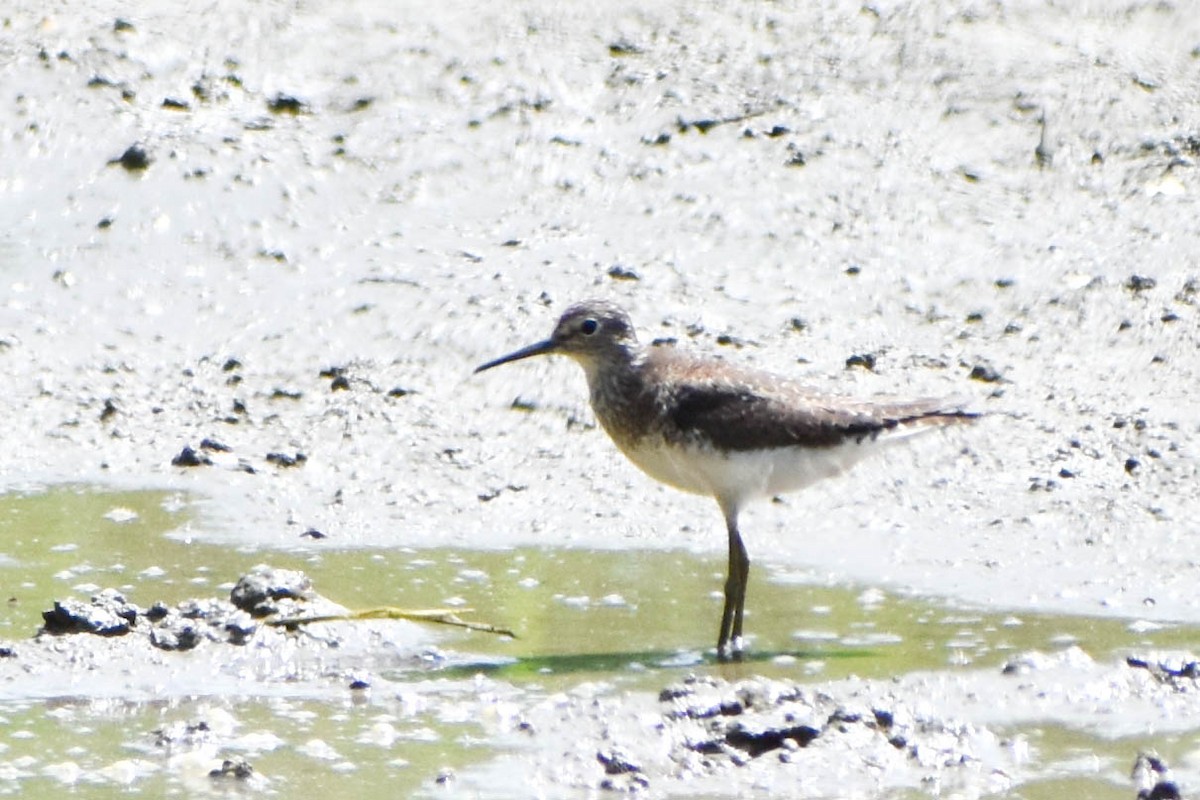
(753, 718)
(237, 768)
(134, 159)
(108, 614)
(1153, 779)
(268, 591)
(179, 627)
(284, 460)
(264, 592)
(1185, 675)
(190, 458)
(761, 732)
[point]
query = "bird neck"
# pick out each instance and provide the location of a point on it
(617, 389)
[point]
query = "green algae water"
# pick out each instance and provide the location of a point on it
(625, 620)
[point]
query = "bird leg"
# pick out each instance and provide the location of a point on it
(735, 593)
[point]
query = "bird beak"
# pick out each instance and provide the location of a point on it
(547, 346)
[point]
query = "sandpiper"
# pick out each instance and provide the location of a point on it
(712, 428)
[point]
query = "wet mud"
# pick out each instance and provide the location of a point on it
(937, 733)
(250, 256)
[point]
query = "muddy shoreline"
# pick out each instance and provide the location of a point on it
(252, 255)
(702, 735)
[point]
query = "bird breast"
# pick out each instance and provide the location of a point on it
(739, 476)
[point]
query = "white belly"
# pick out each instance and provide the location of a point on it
(741, 476)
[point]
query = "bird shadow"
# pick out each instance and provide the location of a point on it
(632, 661)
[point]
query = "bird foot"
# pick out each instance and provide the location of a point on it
(732, 650)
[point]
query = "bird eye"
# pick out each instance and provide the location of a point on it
(589, 326)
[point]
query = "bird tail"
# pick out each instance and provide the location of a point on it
(915, 416)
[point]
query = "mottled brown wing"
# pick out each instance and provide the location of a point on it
(738, 418)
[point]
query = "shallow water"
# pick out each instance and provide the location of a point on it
(575, 611)
(392, 749)
(586, 621)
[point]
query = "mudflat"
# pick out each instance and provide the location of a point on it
(251, 255)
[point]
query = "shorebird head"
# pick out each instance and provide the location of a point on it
(592, 332)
